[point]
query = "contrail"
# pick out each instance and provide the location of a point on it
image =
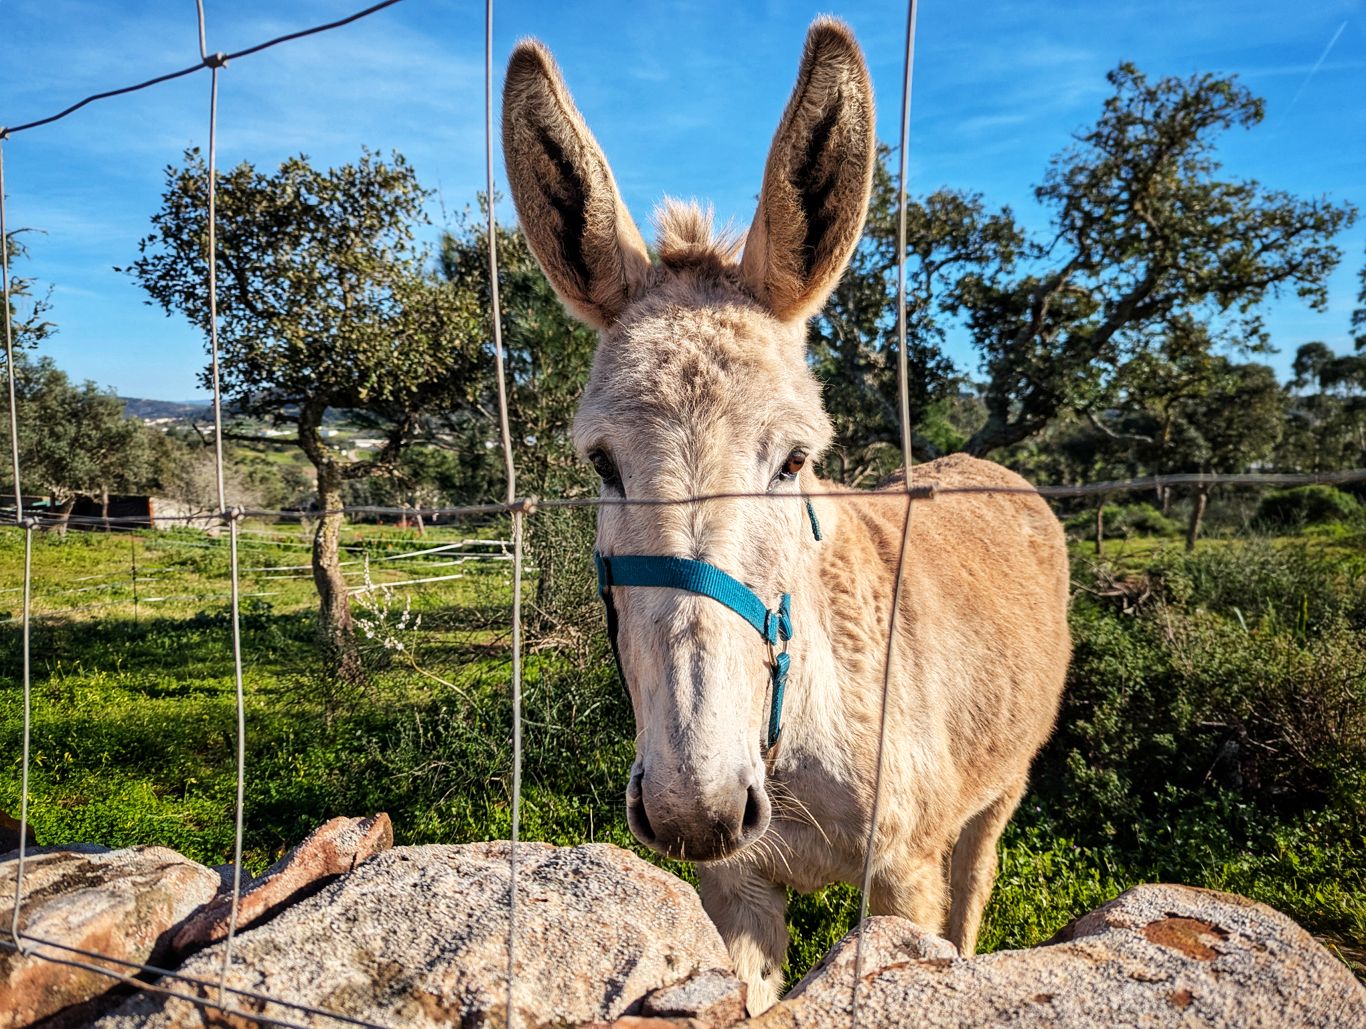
(1317, 64)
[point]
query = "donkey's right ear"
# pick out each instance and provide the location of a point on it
(816, 182)
(566, 199)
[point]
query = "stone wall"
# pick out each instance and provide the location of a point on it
(418, 936)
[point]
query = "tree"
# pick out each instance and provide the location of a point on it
(74, 440)
(549, 356)
(1327, 428)
(1237, 420)
(28, 308)
(1145, 233)
(1359, 315)
(325, 303)
(852, 344)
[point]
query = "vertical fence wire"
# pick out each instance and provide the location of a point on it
(903, 390)
(27, 525)
(215, 62)
(517, 513)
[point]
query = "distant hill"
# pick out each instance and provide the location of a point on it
(139, 407)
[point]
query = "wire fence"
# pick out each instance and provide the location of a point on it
(411, 565)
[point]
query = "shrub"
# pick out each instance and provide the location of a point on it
(1245, 675)
(1123, 520)
(1145, 520)
(1306, 505)
(565, 611)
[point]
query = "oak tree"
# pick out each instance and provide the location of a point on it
(326, 303)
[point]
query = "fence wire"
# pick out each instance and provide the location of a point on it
(908, 491)
(517, 508)
(517, 512)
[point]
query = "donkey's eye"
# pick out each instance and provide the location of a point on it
(605, 467)
(792, 465)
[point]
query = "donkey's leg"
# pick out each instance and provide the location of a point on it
(973, 868)
(914, 889)
(751, 914)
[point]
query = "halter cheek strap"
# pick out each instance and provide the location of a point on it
(681, 573)
(706, 580)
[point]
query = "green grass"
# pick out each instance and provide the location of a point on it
(133, 722)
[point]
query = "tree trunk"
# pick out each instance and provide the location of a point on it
(64, 516)
(335, 630)
(1164, 496)
(1100, 526)
(1197, 515)
(104, 508)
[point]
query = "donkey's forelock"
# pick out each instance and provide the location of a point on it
(686, 237)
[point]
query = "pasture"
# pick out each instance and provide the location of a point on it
(1213, 732)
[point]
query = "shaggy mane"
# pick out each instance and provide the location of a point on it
(685, 237)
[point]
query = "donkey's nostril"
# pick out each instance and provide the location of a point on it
(645, 830)
(753, 812)
(635, 811)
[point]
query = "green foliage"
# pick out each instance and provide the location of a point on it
(324, 301)
(1326, 428)
(28, 310)
(1244, 672)
(1145, 235)
(1123, 520)
(853, 342)
(74, 439)
(1306, 505)
(548, 356)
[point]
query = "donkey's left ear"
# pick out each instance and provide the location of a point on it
(816, 182)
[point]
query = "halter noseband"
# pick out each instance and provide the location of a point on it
(681, 573)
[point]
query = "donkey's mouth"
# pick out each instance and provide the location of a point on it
(694, 833)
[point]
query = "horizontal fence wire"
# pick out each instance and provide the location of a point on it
(922, 490)
(208, 61)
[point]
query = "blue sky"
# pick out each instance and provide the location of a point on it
(683, 96)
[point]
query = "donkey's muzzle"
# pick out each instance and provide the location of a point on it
(691, 824)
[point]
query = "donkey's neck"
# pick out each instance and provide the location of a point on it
(841, 607)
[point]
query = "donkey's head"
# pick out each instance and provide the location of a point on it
(700, 387)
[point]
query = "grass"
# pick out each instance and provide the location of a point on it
(133, 721)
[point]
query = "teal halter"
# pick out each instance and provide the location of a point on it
(681, 573)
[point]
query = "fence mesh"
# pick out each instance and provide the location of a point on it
(150, 584)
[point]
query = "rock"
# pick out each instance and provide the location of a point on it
(417, 936)
(1156, 955)
(887, 941)
(333, 849)
(120, 903)
(713, 997)
(9, 833)
(66, 848)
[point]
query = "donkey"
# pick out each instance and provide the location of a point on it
(756, 744)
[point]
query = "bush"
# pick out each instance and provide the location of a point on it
(1123, 520)
(1245, 675)
(565, 611)
(1306, 505)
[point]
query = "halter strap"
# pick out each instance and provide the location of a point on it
(706, 580)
